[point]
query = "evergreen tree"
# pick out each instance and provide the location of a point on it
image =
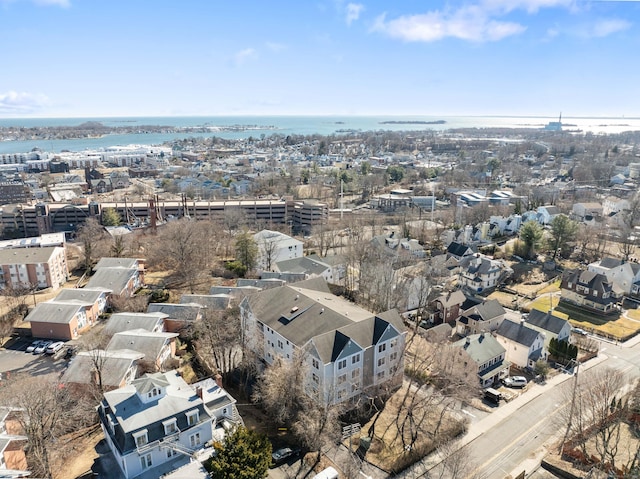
(110, 217)
(246, 250)
(531, 235)
(244, 454)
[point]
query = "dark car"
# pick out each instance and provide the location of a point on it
(70, 352)
(282, 455)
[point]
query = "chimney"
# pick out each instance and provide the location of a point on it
(199, 392)
(218, 379)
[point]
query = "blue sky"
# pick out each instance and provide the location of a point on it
(73, 58)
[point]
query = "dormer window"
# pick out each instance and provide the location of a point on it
(192, 417)
(141, 438)
(170, 426)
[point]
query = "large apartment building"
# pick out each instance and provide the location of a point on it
(40, 267)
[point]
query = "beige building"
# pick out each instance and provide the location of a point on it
(41, 267)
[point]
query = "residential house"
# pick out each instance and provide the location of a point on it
(265, 283)
(458, 250)
(589, 290)
(612, 205)
(349, 350)
(122, 277)
(287, 277)
(13, 460)
(624, 275)
(44, 267)
(220, 405)
(546, 214)
(311, 267)
(274, 247)
(156, 347)
(587, 211)
(398, 249)
(119, 322)
(94, 299)
(446, 307)
(57, 320)
(478, 273)
(480, 318)
(155, 420)
(211, 302)
(179, 316)
(523, 345)
(488, 356)
(552, 326)
(117, 368)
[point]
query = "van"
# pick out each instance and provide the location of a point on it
(492, 395)
(328, 473)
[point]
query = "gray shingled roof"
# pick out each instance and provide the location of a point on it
(112, 279)
(83, 294)
(53, 312)
(120, 322)
(216, 302)
(517, 332)
(481, 347)
(115, 365)
(184, 312)
(260, 283)
(546, 321)
(145, 342)
(304, 265)
(27, 255)
(487, 310)
(116, 263)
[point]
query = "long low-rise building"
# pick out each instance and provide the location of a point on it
(33, 267)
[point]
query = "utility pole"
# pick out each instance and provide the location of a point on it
(573, 403)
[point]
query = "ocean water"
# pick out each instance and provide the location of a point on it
(286, 125)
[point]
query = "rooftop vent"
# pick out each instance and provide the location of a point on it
(294, 309)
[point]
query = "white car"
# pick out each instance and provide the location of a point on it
(53, 348)
(515, 381)
(42, 347)
(33, 345)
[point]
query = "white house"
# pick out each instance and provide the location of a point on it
(478, 272)
(274, 247)
(523, 345)
(155, 420)
(553, 327)
(488, 355)
(611, 204)
(483, 317)
(346, 348)
(546, 214)
(623, 274)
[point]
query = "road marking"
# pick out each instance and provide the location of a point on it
(467, 412)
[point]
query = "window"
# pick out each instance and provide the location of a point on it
(341, 394)
(381, 362)
(355, 358)
(315, 378)
(342, 364)
(382, 348)
(145, 461)
(141, 438)
(315, 363)
(192, 418)
(381, 375)
(171, 453)
(170, 426)
(355, 373)
(194, 439)
(342, 379)
(393, 343)
(280, 345)
(393, 356)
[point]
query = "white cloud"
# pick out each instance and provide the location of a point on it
(604, 28)
(14, 102)
(244, 55)
(469, 23)
(275, 47)
(531, 6)
(353, 12)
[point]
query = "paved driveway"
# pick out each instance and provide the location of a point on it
(14, 359)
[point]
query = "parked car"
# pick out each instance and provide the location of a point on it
(53, 348)
(515, 381)
(70, 352)
(42, 347)
(579, 331)
(33, 346)
(282, 455)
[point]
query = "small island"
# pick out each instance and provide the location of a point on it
(413, 122)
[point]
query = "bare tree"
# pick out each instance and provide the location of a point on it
(219, 340)
(268, 251)
(90, 235)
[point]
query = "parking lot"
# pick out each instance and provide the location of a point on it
(14, 359)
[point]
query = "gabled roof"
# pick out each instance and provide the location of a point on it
(54, 312)
(450, 299)
(610, 263)
(304, 264)
(120, 322)
(148, 343)
(185, 312)
(114, 366)
(112, 279)
(458, 250)
(216, 302)
(83, 294)
(259, 283)
(116, 263)
(481, 347)
(517, 332)
(546, 321)
(28, 255)
(486, 311)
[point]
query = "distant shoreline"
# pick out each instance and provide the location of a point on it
(413, 122)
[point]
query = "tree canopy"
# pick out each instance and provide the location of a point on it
(563, 231)
(244, 454)
(531, 235)
(246, 250)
